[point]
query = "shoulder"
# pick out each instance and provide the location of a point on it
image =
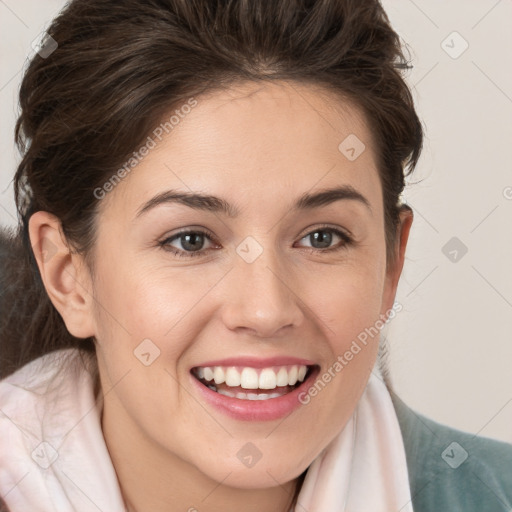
(453, 470)
(49, 421)
(34, 398)
(43, 376)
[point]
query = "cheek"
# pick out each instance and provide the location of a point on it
(163, 305)
(347, 301)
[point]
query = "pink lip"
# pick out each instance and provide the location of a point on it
(256, 410)
(254, 362)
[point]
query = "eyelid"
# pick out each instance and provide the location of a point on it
(186, 231)
(317, 227)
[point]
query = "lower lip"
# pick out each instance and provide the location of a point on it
(256, 410)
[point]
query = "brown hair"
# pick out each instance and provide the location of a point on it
(120, 65)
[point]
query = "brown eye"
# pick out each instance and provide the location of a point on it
(321, 239)
(192, 243)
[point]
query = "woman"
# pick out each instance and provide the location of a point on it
(212, 238)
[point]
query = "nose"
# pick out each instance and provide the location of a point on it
(261, 298)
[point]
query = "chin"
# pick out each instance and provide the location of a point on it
(261, 475)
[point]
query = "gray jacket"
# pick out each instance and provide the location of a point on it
(452, 471)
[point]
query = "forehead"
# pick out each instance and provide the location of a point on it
(257, 144)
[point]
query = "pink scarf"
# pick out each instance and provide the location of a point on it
(53, 455)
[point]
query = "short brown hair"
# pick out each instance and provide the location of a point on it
(121, 64)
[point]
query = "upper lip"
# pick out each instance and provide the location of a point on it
(256, 362)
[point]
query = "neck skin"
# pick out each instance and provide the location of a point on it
(158, 480)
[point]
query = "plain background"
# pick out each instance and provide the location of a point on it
(451, 349)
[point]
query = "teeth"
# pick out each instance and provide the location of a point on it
(251, 378)
(249, 396)
(232, 377)
(218, 375)
(268, 379)
(208, 373)
(282, 377)
(292, 375)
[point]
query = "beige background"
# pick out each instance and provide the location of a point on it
(451, 347)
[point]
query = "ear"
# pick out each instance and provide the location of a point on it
(64, 274)
(394, 271)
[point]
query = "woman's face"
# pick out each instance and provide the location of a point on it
(278, 281)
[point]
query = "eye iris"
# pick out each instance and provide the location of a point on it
(193, 246)
(325, 239)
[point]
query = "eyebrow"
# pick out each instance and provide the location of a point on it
(214, 204)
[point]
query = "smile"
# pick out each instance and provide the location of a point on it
(248, 383)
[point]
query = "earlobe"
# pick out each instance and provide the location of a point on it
(406, 219)
(63, 273)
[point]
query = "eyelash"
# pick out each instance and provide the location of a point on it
(346, 242)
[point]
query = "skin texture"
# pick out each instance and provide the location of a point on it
(259, 147)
